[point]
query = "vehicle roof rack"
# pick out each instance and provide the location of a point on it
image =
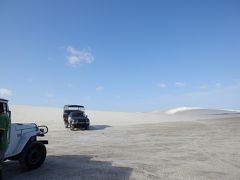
(74, 106)
(3, 100)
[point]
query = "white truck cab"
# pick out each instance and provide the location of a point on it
(23, 143)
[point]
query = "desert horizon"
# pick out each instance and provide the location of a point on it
(159, 80)
(180, 143)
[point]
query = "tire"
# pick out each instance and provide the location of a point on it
(32, 156)
(71, 126)
(87, 127)
(66, 125)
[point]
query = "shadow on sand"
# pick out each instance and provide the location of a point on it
(98, 127)
(93, 128)
(68, 167)
(221, 114)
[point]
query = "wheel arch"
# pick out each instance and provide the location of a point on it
(24, 140)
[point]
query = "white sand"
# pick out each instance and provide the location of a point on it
(188, 143)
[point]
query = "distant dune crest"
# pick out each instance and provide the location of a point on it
(200, 110)
(46, 115)
(181, 109)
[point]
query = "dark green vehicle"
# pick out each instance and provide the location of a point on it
(74, 117)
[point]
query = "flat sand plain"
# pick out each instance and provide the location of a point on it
(194, 144)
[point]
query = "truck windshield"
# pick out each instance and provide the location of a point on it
(76, 114)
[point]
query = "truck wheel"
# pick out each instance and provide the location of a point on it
(71, 126)
(87, 127)
(33, 156)
(66, 125)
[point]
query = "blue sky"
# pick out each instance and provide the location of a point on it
(121, 55)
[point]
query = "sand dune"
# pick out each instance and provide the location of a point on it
(54, 115)
(187, 144)
(181, 109)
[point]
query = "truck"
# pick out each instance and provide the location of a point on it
(24, 143)
(74, 117)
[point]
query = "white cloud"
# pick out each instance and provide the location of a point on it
(162, 85)
(79, 56)
(180, 84)
(5, 92)
(50, 95)
(100, 88)
(203, 87)
(218, 84)
(225, 97)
